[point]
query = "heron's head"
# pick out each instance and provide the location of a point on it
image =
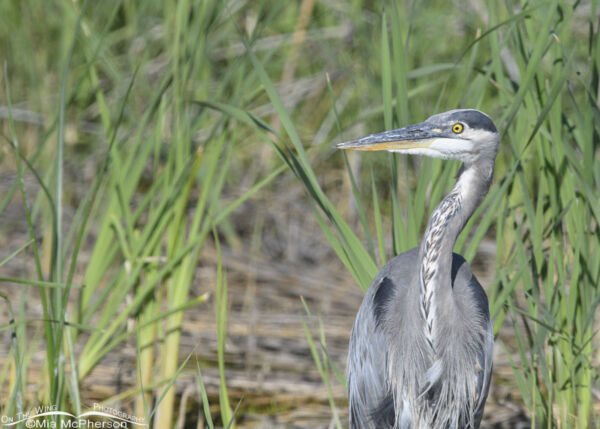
(467, 135)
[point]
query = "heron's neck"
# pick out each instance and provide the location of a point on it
(445, 223)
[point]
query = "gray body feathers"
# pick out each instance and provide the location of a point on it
(406, 386)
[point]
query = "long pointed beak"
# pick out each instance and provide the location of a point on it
(416, 136)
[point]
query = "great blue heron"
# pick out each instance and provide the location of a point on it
(421, 347)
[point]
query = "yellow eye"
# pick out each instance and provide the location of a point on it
(457, 128)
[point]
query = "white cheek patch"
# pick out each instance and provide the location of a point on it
(479, 135)
(452, 146)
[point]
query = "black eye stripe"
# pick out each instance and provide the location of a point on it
(475, 119)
